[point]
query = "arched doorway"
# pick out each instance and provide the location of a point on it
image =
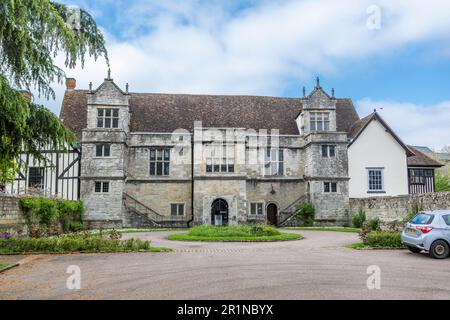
(219, 213)
(272, 214)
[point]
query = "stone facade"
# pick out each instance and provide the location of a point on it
(12, 218)
(389, 209)
(137, 198)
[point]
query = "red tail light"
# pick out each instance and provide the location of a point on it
(424, 229)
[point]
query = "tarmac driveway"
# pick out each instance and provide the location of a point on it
(317, 267)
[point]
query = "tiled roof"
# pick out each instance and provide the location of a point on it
(74, 111)
(167, 112)
(419, 159)
(358, 126)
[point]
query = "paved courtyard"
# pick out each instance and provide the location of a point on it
(318, 267)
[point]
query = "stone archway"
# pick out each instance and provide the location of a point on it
(219, 213)
(272, 214)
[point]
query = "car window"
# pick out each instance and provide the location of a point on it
(447, 219)
(423, 218)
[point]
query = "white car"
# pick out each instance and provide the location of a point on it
(429, 231)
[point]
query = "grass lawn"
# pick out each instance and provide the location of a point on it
(251, 233)
(334, 229)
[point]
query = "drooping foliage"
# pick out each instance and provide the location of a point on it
(32, 34)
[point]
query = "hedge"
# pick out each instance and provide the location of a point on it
(71, 244)
(384, 239)
(44, 213)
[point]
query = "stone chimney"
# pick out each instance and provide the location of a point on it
(27, 95)
(71, 84)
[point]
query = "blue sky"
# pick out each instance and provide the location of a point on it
(275, 47)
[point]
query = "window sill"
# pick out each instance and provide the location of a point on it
(375, 192)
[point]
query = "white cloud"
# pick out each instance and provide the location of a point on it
(212, 47)
(425, 125)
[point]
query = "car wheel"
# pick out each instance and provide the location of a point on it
(414, 249)
(439, 249)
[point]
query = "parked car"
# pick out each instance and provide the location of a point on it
(429, 231)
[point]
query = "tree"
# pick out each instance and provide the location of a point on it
(32, 34)
(442, 181)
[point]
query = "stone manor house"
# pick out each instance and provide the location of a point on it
(146, 160)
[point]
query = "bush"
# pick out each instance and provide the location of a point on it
(256, 230)
(384, 239)
(374, 224)
(306, 212)
(46, 216)
(358, 219)
(71, 244)
(70, 215)
(442, 181)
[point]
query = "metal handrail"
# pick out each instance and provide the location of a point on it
(151, 214)
(303, 197)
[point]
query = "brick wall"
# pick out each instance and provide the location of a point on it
(11, 216)
(396, 208)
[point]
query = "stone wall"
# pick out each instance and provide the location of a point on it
(11, 216)
(389, 209)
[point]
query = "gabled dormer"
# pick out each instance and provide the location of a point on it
(318, 113)
(108, 107)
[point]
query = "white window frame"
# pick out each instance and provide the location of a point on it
(102, 187)
(41, 177)
(102, 145)
(257, 206)
(369, 190)
(272, 162)
(317, 119)
(155, 162)
(103, 117)
(220, 158)
(328, 149)
(178, 204)
(330, 186)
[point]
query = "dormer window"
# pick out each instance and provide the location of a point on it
(108, 118)
(319, 121)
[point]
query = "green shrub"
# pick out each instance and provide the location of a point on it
(374, 224)
(306, 212)
(46, 216)
(358, 219)
(442, 181)
(70, 215)
(384, 239)
(256, 230)
(71, 244)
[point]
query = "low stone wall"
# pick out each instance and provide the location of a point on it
(12, 219)
(389, 209)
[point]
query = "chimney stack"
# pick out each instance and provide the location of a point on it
(71, 84)
(27, 95)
